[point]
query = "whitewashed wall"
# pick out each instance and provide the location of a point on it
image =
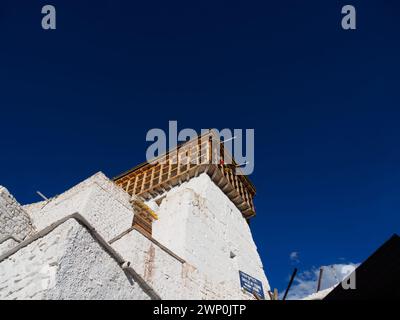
(7, 244)
(172, 278)
(209, 239)
(99, 200)
(157, 267)
(67, 263)
(199, 223)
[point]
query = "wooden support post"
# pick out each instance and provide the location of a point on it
(143, 182)
(276, 296)
(135, 184)
(321, 271)
(127, 186)
(290, 283)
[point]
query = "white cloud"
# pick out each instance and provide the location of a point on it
(306, 282)
(294, 257)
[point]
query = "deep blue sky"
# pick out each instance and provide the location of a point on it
(324, 104)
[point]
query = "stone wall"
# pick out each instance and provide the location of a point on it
(66, 263)
(14, 221)
(99, 200)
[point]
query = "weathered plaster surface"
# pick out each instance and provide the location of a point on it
(99, 200)
(171, 277)
(67, 263)
(7, 244)
(158, 268)
(199, 223)
(209, 239)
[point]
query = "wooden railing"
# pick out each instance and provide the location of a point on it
(203, 154)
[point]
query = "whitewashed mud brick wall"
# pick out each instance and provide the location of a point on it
(170, 276)
(7, 244)
(67, 263)
(199, 223)
(14, 221)
(207, 240)
(97, 199)
(158, 268)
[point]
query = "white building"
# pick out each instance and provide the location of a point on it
(159, 231)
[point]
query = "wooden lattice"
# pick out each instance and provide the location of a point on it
(188, 160)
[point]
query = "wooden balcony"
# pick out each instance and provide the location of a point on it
(189, 160)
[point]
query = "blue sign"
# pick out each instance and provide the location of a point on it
(251, 284)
